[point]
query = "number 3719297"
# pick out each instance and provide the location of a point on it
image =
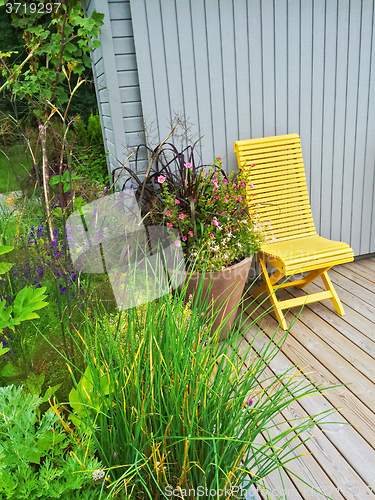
(40, 8)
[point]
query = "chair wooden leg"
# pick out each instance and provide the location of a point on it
(276, 276)
(311, 277)
(268, 286)
(335, 298)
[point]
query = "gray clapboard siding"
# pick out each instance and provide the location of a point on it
(121, 27)
(124, 45)
(115, 73)
(119, 10)
(251, 68)
(127, 78)
(127, 61)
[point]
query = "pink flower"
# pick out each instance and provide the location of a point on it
(177, 243)
(219, 158)
(240, 198)
(188, 164)
(179, 232)
(223, 212)
(169, 224)
(217, 197)
(191, 233)
(253, 164)
(242, 184)
(114, 454)
(181, 216)
(211, 235)
(226, 200)
(161, 179)
(184, 238)
(168, 213)
(194, 200)
(232, 196)
(225, 181)
(251, 185)
(176, 201)
(216, 223)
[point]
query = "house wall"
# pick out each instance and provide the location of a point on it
(116, 82)
(238, 69)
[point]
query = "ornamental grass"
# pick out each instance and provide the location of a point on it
(172, 408)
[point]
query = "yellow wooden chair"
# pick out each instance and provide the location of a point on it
(282, 202)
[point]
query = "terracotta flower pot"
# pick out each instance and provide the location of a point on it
(226, 292)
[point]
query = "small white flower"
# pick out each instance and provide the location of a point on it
(160, 467)
(98, 475)
(239, 244)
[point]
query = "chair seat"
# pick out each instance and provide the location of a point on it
(306, 254)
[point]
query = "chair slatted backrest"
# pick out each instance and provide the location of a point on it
(278, 175)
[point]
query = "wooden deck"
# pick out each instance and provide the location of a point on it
(340, 460)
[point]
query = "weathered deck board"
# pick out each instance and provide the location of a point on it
(331, 318)
(337, 350)
(353, 354)
(355, 277)
(354, 285)
(352, 317)
(325, 452)
(365, 268)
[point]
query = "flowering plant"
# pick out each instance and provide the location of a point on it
(215, 224)
(210, 210)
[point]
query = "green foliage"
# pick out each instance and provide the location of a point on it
(85, 389)
(41, 75)
(5, 267)
(90, 159)
(66, 179)
(174, 407)
(38, 458)
(27, 301)
(94, 130)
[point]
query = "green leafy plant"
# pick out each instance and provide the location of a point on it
(39, 459)
(58, 45)
(26, 302)
(207, 207)
(90, 158)
(171, 408)
(5, 266)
